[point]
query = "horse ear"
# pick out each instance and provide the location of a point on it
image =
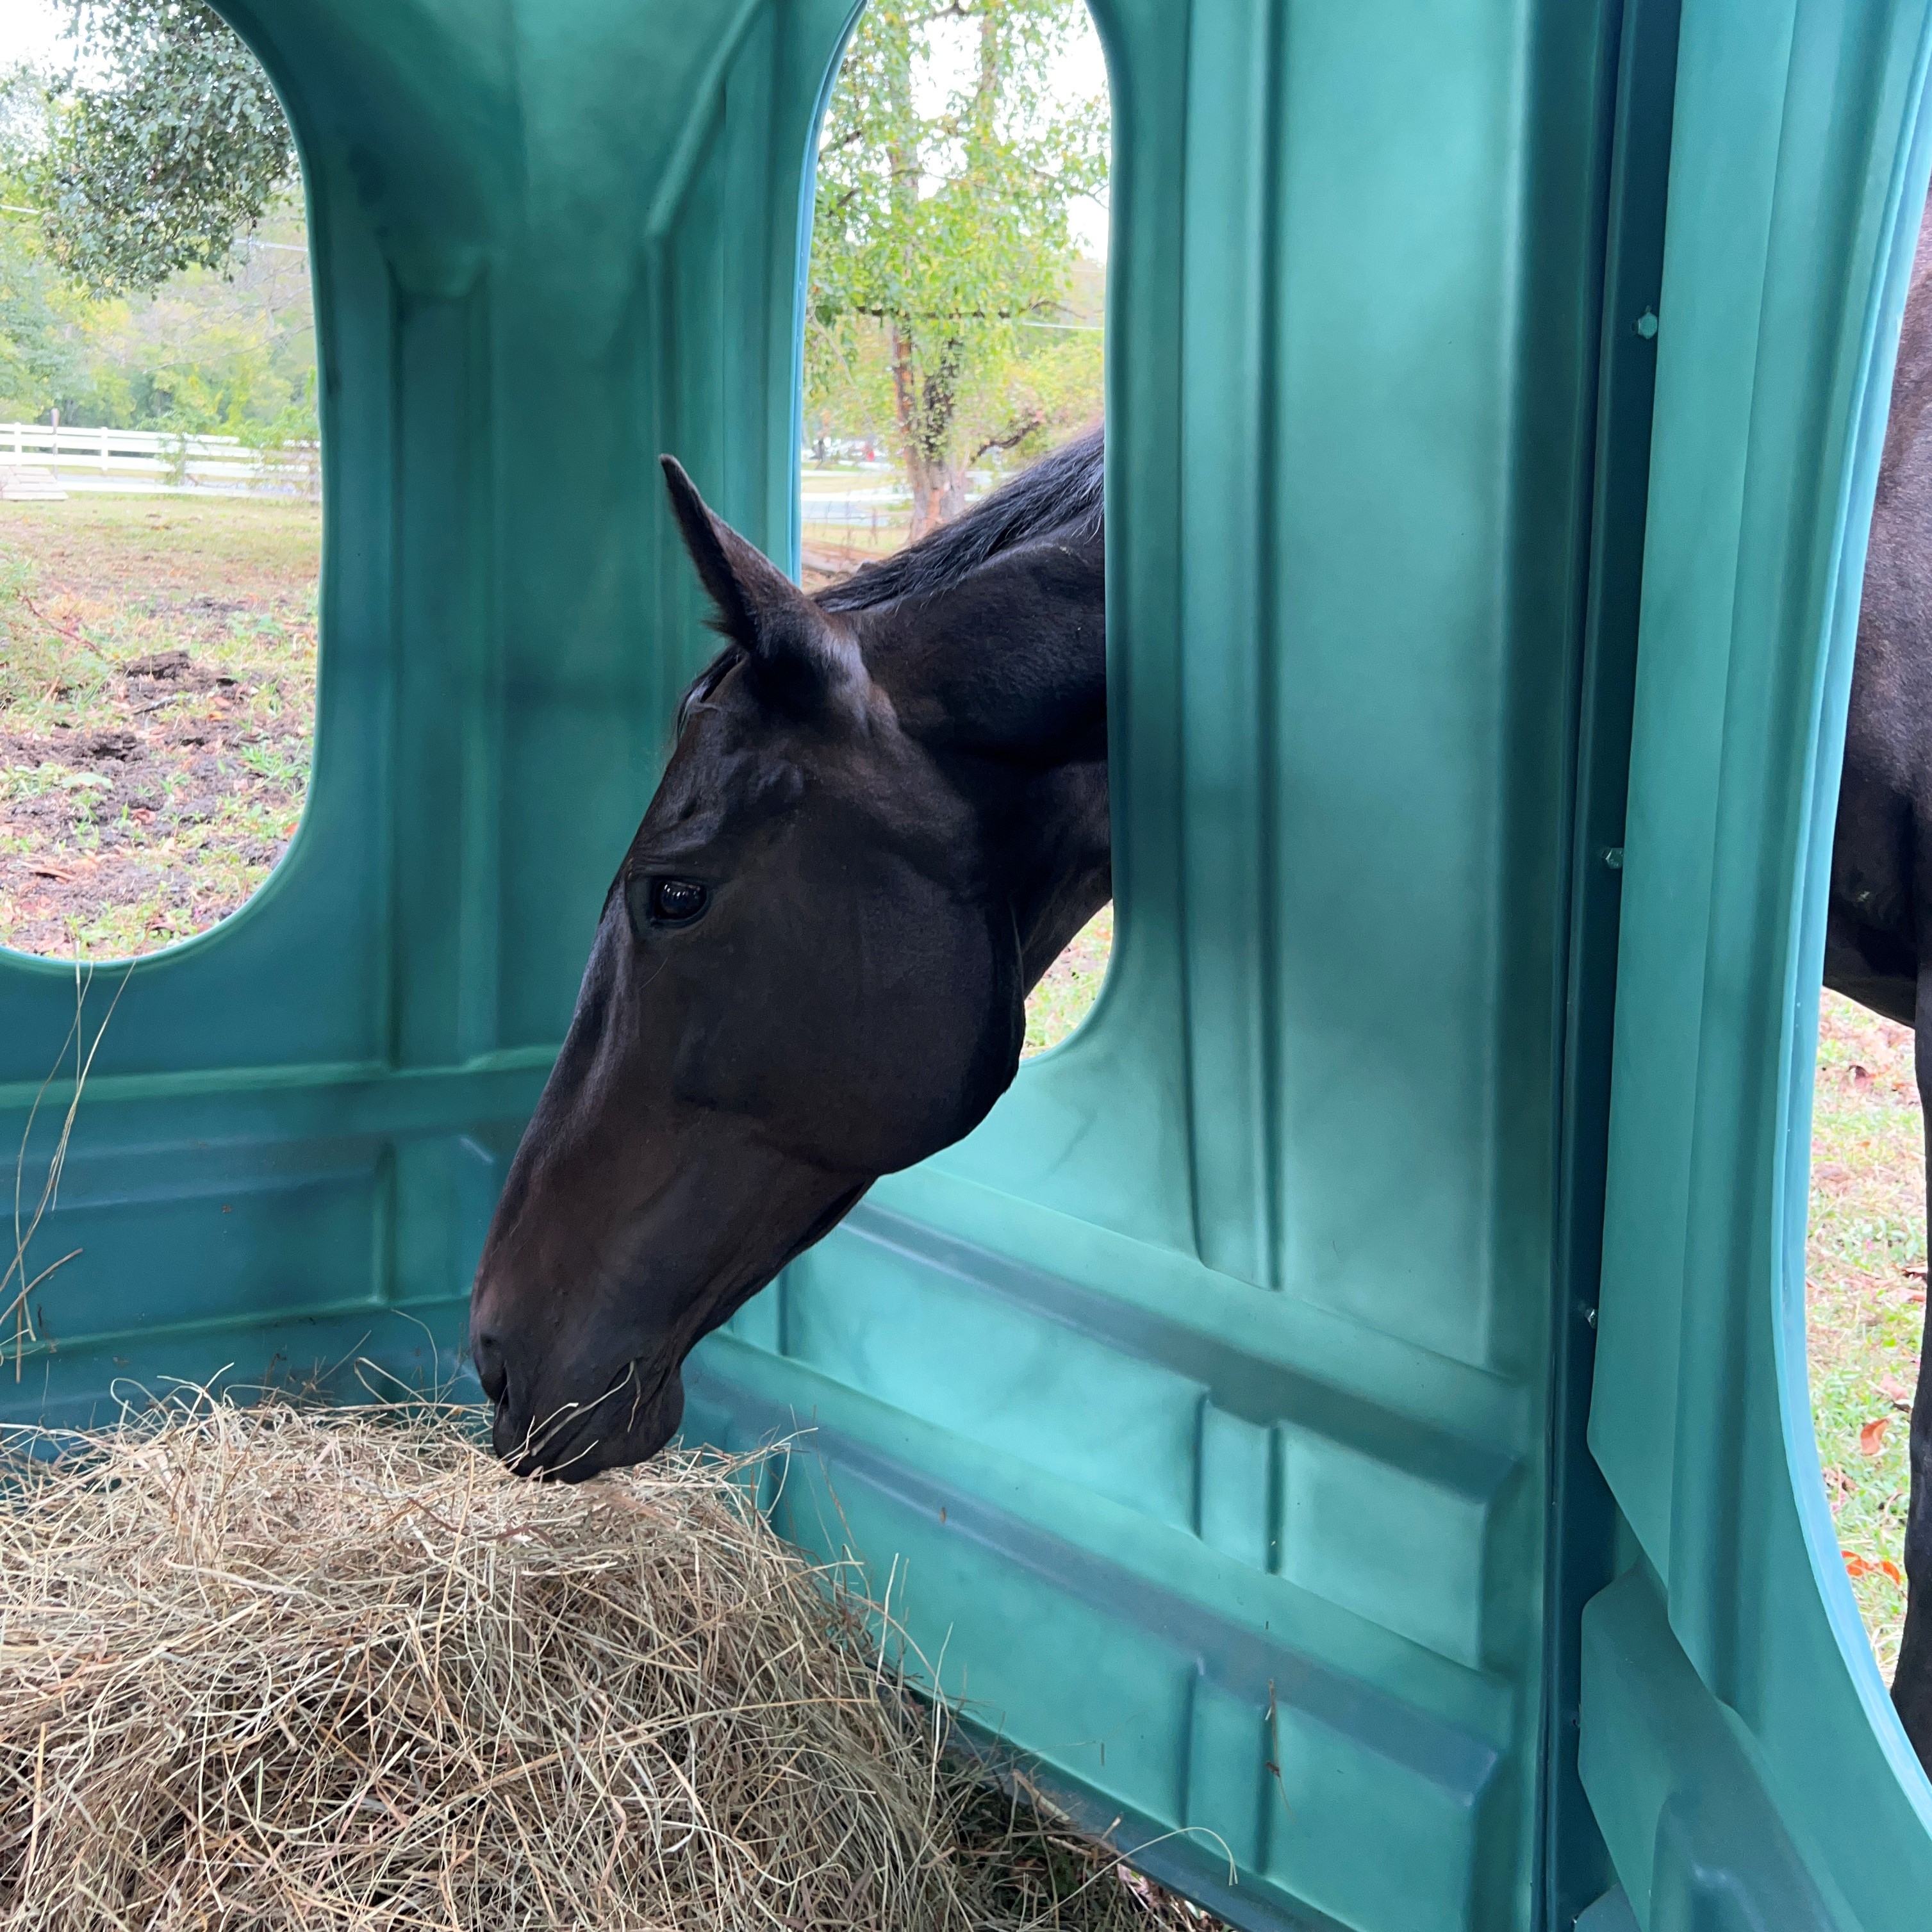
(790, 639)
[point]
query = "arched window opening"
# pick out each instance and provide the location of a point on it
(956, 309)
(159, 498)
(1865, 1251)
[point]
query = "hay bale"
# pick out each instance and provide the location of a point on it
(270, 1667)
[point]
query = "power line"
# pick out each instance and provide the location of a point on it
(240, 242)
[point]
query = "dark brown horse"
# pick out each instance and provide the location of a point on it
(1878, 944)
(885, 815)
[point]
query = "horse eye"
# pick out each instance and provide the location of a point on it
(677, 901)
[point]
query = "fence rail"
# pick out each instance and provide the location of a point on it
(158, 459)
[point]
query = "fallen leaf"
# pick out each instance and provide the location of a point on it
(1895, 1392)
(1892, 1570)
(44, 871)
(1916, 1295)
(1871, 1437)
(1856, 1566)
(1860, 1076)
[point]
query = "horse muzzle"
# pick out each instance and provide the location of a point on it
(556, 1437)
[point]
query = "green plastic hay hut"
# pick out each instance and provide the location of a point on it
(1347, 1401)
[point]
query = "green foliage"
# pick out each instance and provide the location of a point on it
(179, 147)
(224, 345)
(942, 240)
(36, 304)
(231, 355)
(210, 354)
(37, 354)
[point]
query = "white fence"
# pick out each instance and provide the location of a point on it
(152, 461)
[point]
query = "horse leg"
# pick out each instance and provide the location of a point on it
(1912, 1682)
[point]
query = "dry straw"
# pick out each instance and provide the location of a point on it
(279, 1667)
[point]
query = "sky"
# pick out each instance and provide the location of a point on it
(30, 30)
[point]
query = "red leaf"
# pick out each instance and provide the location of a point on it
(1892, 1570)
(1855, 1566)
(1871, 1437)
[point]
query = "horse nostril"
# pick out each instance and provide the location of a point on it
(486, 1351)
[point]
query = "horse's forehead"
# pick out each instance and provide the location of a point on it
(726, 764)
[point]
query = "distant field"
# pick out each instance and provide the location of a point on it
(157, 704)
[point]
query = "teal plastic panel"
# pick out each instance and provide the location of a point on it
(1737, 1743)
(1198, 1403)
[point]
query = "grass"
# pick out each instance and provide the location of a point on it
(156, 704)
(1064, 998)
(1865, 1294)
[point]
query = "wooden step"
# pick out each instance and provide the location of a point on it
(21, 484)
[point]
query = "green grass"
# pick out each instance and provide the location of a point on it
(1865, 1293)
(1063, 999)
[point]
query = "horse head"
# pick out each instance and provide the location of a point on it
(884, 814)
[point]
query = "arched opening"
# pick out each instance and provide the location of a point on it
(956, 312)
(1865, 1254)
(160, 499)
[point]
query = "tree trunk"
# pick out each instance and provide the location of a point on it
(925, 410)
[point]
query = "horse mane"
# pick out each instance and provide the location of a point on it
(1060, 496)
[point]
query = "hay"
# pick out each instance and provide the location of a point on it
(274, 1667)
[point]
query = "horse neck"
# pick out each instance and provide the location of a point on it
(1067, 875)
(1005, 680)
(1910, 419)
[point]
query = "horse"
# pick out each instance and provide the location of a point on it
(1878, 937)
(884, 815)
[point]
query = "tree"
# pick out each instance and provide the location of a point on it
(227, 348)
(176, 148)
(937, 236)
(37, 354)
